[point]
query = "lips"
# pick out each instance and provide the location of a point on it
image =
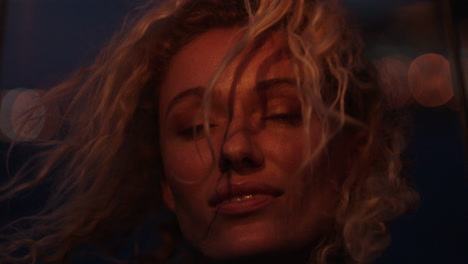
(238, 199)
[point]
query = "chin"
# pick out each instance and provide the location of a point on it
(238, 241)
(243, 242)
(260, 242)
(256, 251)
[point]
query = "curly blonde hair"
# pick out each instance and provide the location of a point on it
(105, 161)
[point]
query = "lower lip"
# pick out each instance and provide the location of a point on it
(244, 207)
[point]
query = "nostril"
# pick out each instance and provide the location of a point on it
(240, 153)
(224, 164)
(240, 166)
(250, 163)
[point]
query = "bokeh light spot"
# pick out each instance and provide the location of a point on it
(6, 104)
(20, 113)
(429, 80)
(20, 119)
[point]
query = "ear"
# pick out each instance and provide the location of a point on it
(168, 196)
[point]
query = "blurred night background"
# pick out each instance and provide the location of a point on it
(420, 48)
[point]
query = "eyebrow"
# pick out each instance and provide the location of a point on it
(265, 85)
(195, 91)
(261, 87)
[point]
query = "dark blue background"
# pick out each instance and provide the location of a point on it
(44, 41)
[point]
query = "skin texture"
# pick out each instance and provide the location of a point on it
(257, 138)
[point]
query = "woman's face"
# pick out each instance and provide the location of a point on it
(249, 197)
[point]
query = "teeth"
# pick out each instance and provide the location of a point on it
(241, 198)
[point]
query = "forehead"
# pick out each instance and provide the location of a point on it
(198, 61)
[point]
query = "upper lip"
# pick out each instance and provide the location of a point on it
(229, 191)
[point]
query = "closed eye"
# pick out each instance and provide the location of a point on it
(194, 132)
(294, 119)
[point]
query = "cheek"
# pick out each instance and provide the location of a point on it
(187, 162)
(182, 168)
(285, 156)
(308, 171)
(288, 151)
(185, 172)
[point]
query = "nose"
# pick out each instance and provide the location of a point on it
(240, 151)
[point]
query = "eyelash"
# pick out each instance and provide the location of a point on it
(194, 132)
(197, 131)
(293, 118)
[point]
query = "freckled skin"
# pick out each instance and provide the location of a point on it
(256, 149)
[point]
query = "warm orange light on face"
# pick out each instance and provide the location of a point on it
(429, 80)
(393, 74)
(248, 202)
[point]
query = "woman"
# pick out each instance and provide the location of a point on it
(258, 123)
